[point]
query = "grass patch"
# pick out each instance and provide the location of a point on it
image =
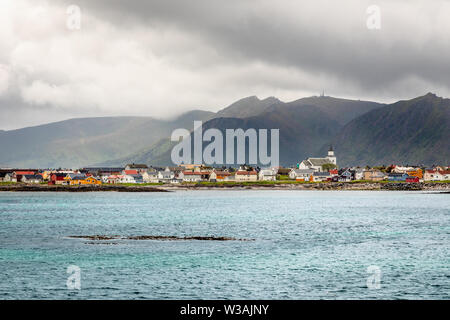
(134, 184)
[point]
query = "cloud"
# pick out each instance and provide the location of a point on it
(161, 58)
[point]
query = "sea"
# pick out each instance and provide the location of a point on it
(298, 245)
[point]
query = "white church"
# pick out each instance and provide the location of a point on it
(317, 163)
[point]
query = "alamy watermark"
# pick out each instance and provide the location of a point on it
(374, 280)
(74, 280)
(191, 149)
(373, 21)
(73, 21)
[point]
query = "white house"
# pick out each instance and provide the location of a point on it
(321, 176)
(300, 174)
(126, 178)
(359, 174)
(436, 175)
(267, 175)
(189, 176)
(150, 176)
(9, 177)
(32, 178)
(166, 175)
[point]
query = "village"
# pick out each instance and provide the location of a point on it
(310, 170)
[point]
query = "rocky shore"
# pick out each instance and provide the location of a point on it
(426, 186)
(375, 186)
(83, 188)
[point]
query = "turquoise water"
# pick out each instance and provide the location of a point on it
(307, 245)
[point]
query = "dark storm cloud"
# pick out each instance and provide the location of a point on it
(328, 37)
(161, 58)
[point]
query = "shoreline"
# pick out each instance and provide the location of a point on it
(344, 186)
(83, 188)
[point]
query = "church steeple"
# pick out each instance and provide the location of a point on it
(331, 155)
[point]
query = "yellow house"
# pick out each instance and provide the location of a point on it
(81, 180)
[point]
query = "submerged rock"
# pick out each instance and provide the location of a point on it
(173, 238)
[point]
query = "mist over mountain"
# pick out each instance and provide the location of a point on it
(415, 131)
(305, 126)
(362, 132)
(80, 142)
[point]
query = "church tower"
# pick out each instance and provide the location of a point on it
(331, 155)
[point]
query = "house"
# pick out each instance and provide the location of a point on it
(397, 176)
(231, 177)
(436, 175)
(126, 178)
(218, 175)
(31, 178)
(412, 179)
(46, 175)
(150, 176)
(82, 179)
(320, 176)
(432, 175)
(9, 177)
(166, 175)
(317, 163)
(57, 178)
(445, 174)
(189, 176)
(137, 167)
(415, 173)
(374, 175)
(114, 178)
(345, 175)
(2, 176)
(137, 178)
(92, 180)
(194, 176)
(300, 174)
(17, 175)
(359, 174)
(244, 175)
(267, 175)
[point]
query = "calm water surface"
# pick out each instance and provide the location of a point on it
(307, 245)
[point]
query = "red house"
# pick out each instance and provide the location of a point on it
(412, 179)
(57, 178)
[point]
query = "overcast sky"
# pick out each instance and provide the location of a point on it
(160, 58)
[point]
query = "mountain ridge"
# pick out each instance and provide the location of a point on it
(360, 131)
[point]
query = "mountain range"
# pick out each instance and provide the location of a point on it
(415, 131)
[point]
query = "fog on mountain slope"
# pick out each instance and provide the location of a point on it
(363, 132)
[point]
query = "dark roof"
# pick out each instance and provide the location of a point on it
(103, 169)
(32, 176)
(135, 165)
(319, 161)
(394, 174)
(323, 174)
(59, 174)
